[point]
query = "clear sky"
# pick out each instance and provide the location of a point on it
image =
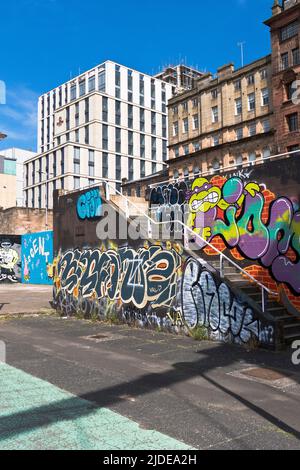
(45, 42)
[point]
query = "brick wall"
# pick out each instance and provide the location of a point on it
(19, 221)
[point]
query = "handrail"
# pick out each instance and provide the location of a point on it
(188, 229)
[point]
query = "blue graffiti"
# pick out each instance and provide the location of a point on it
(89, 205)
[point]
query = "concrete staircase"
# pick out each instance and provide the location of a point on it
(290, 323)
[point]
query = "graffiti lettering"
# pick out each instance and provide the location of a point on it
(89, 205)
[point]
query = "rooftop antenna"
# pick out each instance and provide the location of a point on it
(241, 45)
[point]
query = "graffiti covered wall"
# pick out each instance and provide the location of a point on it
(10, 258)
(37, 258)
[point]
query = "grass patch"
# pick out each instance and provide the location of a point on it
(200, 333)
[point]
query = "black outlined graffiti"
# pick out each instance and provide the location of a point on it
(207, 302)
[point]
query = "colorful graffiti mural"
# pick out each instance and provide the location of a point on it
(154, 287)
(37, 258)
(234, 211)
(10, 258)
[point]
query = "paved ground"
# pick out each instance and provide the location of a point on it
(21, 298)
(191, 394)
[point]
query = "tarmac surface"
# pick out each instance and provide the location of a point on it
(23, 298)
(185, 393)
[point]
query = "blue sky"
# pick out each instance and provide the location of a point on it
(44, 42)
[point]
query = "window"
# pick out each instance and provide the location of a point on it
(250, 80)
(214, 94)
(153, 123)
(185, 106)
(87, 110)
(130, 116)
(289, 31)
(104, 109)
(238, 106)
(86, 135)
(216, 140)
(77, 114)
(237, 85)
(296, 56)
(130, 96)
(153, 148)
(266, 152)
(239, 133)
(154, 167)
(129, 80)
(118, 167)
(101, 80)
(130, 169)
(176, 174)
(175, 128)
(91, 163)
(290, 89)
(196, 171)
(82, 88)
(195, 122)
(175, 109)
(62, 161)
(77, 136)
(186, 174)
(142, 85)
(105, 165)
(216, 164)
(215, 114)
(264, 74)
(265, 97)
(142, 120)
(195, 102)
(284, 60)
(252, 157)
(186, 149)
(239, 160)
(251, 102)
(196, 146)
(92, 83)
(118, 139)
(164, 150)
(292, 121)
(76, 182)
(176, 152)
(67, 118)
(142, 145)
(118, 112)
(266, 125)
(185, 123)
(105, 137)
(252, 130)
(73, 92)
(142, 168)
(76, 160)
(130, 143)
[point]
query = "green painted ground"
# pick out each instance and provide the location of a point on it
(37, 415)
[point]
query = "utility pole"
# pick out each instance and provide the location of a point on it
(241, 45)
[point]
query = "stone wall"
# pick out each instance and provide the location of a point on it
(18, 221)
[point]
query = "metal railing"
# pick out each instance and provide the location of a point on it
(265, 291)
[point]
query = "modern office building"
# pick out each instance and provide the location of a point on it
(19, 156)
(106, 124)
